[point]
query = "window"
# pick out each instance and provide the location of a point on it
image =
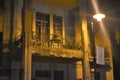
(2, 4)
(4, 72)
(57, 21)
(42, 26)
(73, 24)
(43, 74)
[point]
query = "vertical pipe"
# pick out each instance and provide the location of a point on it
(93, 51)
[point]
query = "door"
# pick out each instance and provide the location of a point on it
(58, 75)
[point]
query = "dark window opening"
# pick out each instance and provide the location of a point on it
(58, 75)
(45, 74)
(2, 4)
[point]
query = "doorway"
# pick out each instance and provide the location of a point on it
(58, 75)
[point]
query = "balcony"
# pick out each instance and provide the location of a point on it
(58, 49)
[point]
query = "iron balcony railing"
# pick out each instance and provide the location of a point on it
(58, 48)
(59, 44)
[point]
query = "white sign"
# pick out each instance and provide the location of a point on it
(100, 55)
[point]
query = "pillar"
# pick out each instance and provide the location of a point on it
(51, 23)
(27, 23)
(86, 41)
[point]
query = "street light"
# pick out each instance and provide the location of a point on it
(99, 18)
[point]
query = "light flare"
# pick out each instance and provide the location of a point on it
(95, 6)
(99, 18)
(102, 26)
(106, 36)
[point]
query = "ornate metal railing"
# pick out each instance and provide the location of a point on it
(58, 48)
(59, 44)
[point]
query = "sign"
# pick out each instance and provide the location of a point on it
(100, 55)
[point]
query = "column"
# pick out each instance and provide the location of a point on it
(34, 26)
(51, 23)
(79, 71)
(86, 41)
(63, 29)
(28, 38)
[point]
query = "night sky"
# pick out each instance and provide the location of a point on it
(111, 8)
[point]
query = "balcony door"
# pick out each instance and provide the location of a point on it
(42, 26)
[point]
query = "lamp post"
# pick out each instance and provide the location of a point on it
(99, 18)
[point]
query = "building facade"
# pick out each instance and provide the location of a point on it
(40, 41)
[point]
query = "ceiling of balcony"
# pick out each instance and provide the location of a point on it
(59, 3)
